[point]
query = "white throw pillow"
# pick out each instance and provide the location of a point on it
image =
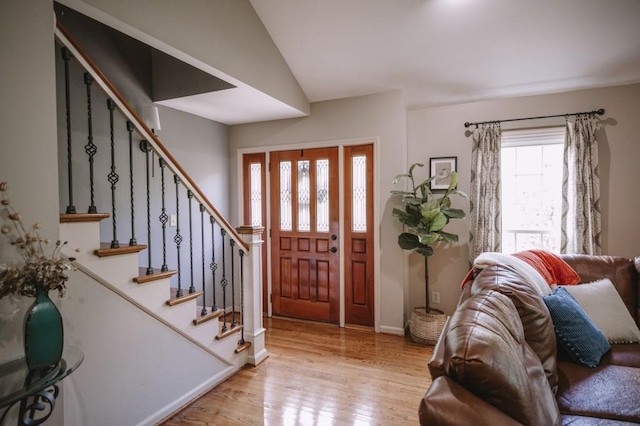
(602, 303)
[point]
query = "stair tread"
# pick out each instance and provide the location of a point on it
(242, 347)
(106, 250)
(230, 330)
(82, 217)
(157, 274)
(207, 317)
(174, 300)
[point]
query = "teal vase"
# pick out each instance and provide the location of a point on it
(43, 333)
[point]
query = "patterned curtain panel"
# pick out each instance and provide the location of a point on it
(486, 219)
(581, 222)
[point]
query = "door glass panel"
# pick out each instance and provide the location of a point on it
(359, 196)
(322, 195)
(285, 196)
(304, 196)
(255, 170)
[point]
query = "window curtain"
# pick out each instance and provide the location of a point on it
(486, 220)
(581, 221)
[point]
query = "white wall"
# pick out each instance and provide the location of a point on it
(224, 34)
(436, 132)
(375, 116)
(136, 370)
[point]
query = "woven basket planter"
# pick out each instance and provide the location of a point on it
(425, 328)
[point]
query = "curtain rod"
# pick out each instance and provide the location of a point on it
(599, 112)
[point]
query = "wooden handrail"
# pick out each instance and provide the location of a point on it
(63, 36)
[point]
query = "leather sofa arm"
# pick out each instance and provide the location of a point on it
(448, 403)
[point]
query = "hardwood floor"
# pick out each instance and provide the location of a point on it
(319, 374)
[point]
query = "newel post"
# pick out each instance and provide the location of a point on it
(254, 332)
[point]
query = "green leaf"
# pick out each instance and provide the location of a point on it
(450, 238)
(460, 193)
(426, 251)
(454, 181)
(438, 223)
(454, 213)
(398, 177)
(429, 238)
(430, 206)
(408, 241)
(445, 202)
(398, 192)
(413, 166)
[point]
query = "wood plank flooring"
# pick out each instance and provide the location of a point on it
(319, 374)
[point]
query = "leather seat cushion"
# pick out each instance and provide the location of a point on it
(608, 391)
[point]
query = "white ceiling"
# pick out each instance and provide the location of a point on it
(454, 51)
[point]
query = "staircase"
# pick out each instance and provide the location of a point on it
(197, 284)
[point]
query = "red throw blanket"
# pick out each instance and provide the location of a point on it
(553, 269)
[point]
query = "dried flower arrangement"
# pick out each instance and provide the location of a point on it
(36, 267)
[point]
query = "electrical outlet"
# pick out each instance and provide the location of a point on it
(173, 220)
(435, 296)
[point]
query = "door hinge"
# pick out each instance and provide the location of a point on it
(269, 232)
(269, 166)
(271, 298)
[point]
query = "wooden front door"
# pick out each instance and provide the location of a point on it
(304, 234)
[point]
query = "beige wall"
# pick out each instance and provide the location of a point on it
(436, 132)
(28, 143)
(224, 34)
(28, 135)
(380, 116)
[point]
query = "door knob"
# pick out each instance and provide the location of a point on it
(333, 249)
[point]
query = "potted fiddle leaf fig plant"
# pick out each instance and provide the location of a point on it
(425, 215)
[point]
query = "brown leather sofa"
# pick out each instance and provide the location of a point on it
(497, 361)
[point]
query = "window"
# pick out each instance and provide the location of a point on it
(531, 189)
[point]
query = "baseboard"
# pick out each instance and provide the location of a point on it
(177, 405)
(258, 358)
(398, 331)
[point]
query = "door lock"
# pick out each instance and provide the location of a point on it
(333, 249)
(334, 237)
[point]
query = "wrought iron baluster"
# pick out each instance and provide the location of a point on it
(90, 148)
(223, 284)
(213, 265)
(113, 176)
(192, 288)
(232, 243)
(178, 238)
(204, 284)
(241, 252)
(145, 146)
(132, 241)
(66, 56)
(163, 220)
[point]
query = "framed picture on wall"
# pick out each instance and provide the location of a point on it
(440, 169)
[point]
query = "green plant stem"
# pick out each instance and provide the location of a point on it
(426, 283)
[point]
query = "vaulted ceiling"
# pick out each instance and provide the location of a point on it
(453, 51)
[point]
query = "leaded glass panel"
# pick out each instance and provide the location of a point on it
(285, 196)
(304, 196)
(255, 171)
(359, 193)
(322, 195)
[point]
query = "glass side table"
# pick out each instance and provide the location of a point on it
(36, 391)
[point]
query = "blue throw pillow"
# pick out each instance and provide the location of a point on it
(575, 331)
